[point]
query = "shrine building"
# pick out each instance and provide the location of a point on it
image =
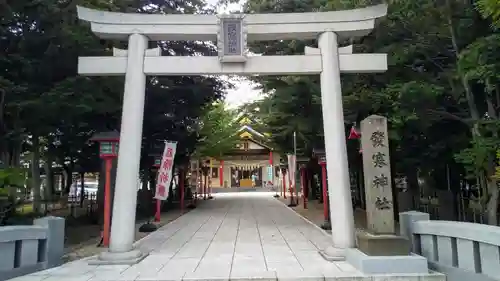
(252, 155)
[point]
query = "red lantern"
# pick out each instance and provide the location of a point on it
(108, 143)
(108, 149)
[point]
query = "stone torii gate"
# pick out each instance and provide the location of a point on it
(232, 32)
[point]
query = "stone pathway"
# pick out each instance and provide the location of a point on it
(89, 247)
(236, 236)
(314, 213)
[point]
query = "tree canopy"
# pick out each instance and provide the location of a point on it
(218, 131)
(49, 112)
(440, 93)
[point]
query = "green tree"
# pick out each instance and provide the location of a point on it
(217, 131)
(435, 94)
(490, 9)
(50, 111)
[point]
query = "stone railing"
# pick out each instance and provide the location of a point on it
(29, 248)
(463, 251)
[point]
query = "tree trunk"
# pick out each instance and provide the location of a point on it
(491, 183)
(3, 142)
(69, 179)
(492, 205)
(454, 42)
(49, 178)
(145, 179)
(310, 182)
(152, 183)
(82, 189)
(35, 174)
(48, 189)
(144, 196)
(64, 180)
(413, 187)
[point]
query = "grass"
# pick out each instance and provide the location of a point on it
(25, 209)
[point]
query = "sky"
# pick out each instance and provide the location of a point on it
(244, 91)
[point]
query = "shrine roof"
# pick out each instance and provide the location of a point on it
(246, 128)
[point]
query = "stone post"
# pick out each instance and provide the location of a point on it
(54, 250)
(377, 172)
(406, 221)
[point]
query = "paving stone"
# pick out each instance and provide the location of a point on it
(285, 258)
(396, 277)
(253, 275)
(299, 276)
(433, 276)
(83, 277)
(284, 266)
(213, 272)
(346, 267)
(29, 278)
(167, 277)
(337, 275)
(170, 274)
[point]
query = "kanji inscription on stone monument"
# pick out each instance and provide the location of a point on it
(377, 173)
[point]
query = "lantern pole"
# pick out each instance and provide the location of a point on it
(158, 201)
(326, 214)
(149, 226)
(205, 178)
(271, 180)
(221, 173)
(303, 185)
(210, 180)
(108, 150)
(283, 170)
(158, 211)
(296, 190)
(107, 200)
(181, 186)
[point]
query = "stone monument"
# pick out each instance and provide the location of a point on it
(377, 175)
(379, 249)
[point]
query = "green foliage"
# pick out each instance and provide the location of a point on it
(11, 177)
(497, 168)
(441, 82)
(480, 61)
(42, 95)
(441, 93)
(490, 9)
(477, 158)
(11, 180)
(43, 98)
(217, 131)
